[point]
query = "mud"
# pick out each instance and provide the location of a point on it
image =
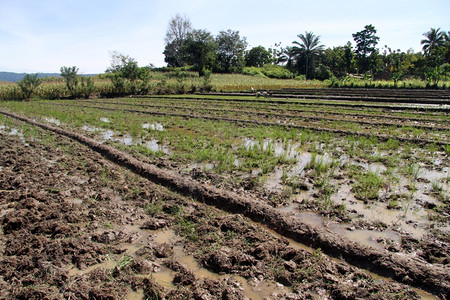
(404, 269)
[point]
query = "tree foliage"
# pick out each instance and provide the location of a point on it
(71, 78)
(28, 84)
(200, 50)
(306, 50)
(177, 32)
(366, 42)
(257, 57)
(230, 51)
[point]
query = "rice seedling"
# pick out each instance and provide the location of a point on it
(367, 186)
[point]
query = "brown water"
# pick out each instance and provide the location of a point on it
(258, 290)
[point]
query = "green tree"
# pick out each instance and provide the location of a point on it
(434, 39)
(447, 47)
(286, 56)
(177, 31)
(306, 50)
(257, 57)
(127, 76)
(366, 51)
(230, 51)
(28, 85)
(71, 78)
(200, 48)
(435, 48)
(340, 60)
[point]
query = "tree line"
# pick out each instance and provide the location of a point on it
(227, 53)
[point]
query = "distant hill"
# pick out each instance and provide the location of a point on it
(15, 77)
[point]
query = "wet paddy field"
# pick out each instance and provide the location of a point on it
(376, 174)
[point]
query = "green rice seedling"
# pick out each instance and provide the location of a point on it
(124, 261)
(317, 164)
(153, 209)
(351, 149)
(439, 192)
(367, 186)
(390, 144)
(326, 192)
(284, 177)
(187, 228)
(412, 171)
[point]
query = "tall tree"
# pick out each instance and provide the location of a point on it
(125, 65)
(434, 39)
(230, 52)
(307, 48)
(286, 57)
(176, 34)
(366, 42)
(200, 48)
(257, 57)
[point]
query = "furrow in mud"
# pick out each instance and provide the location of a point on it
(433, 278)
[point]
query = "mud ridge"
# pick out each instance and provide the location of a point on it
(433, 278)
(264, 123)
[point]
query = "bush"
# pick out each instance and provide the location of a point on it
(269, 70)
(276, 71)
(28, 84)
(253, 71)
(322, 72)
(71, 78)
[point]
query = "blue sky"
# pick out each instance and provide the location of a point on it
(43, 35)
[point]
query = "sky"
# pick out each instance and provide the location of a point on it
(44, 35)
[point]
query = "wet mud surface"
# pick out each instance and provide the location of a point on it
(77, 226)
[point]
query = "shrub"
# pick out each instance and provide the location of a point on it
(87, 87)
(276, 71)
(28, 84)
(253, 71)
(71, 78)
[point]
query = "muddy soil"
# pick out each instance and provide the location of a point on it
(77, 226)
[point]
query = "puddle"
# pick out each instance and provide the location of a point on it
(107, 265)
(279, 148)
(111, 135)
(164, 236)
(154, 146)
(13, 131)
(135, 295)
(258, 290)
(434, 175)
(89, 128)
(153, 126)
(273, 181)
(366, 237)
(128, 140)
(52, 121)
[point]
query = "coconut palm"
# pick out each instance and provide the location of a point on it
(434, 39)
(308, 47)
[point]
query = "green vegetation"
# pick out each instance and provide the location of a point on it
(29, 84)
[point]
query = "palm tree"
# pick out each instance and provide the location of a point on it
(308, 47)
(434, 39)
(285, 55)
